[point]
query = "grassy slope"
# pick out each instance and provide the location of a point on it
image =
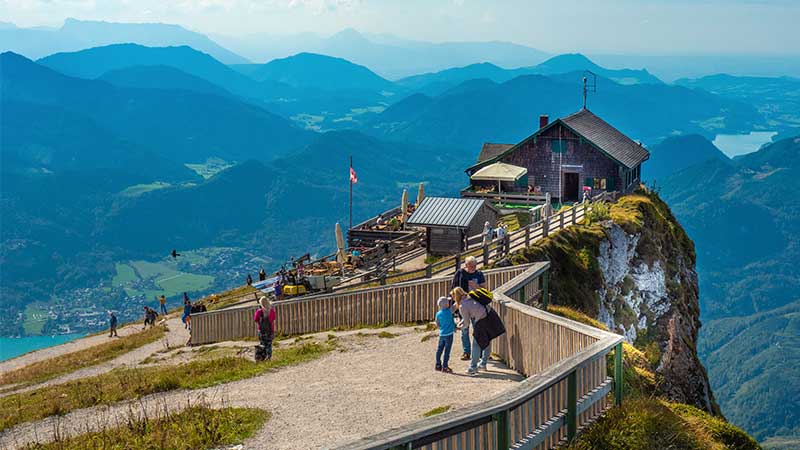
(70, 362)
(125, 384)
(196, 427)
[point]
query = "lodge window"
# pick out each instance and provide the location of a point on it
(559, 146)
(599, 183)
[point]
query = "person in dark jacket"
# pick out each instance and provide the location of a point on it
(112, 324)
(468, 278)
(249, 280)
(262, 275)
(471, 313)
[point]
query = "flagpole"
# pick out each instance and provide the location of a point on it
(350, 179)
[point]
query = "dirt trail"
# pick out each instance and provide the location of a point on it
(374, 384)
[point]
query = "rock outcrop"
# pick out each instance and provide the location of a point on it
(632, 267)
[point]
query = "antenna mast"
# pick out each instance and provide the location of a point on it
(588, 86)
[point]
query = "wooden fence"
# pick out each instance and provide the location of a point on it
(567, 387)
(397, 303)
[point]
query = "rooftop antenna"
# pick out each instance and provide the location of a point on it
(588, 86)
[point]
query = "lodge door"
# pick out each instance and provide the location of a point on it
(571, 187)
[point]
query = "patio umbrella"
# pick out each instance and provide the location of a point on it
(420, 194)
(404, 205)
(340, 257)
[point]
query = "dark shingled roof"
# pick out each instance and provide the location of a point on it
(490, 150)
(597, 131)
(607, 138)
(446, 212)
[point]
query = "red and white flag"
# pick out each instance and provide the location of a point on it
(353, 177)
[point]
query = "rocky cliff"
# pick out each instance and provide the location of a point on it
(631, 266)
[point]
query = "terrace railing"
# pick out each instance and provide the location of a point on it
(396, 303)
(504, 197)
(566, 388)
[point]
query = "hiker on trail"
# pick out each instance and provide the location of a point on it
(487, 233)
(112, 324)
(262, 275)
(447, 327)
(265, 318)
(150, 315)
(249, 280)
(163, 302)
(186, 318)
(468, 278)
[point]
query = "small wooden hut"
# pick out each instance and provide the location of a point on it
(449, 221)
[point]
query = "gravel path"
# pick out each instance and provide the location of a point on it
(372, 385)
(175, 337)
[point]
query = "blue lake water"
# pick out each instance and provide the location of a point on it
(742, 144)
(11, 347)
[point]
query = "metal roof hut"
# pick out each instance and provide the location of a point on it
(450, 221)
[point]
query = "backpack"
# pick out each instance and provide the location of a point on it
(481, 295)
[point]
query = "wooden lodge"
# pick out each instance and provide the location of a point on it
(448, 222)
(562, 158)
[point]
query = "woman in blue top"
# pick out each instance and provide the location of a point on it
(187, 312)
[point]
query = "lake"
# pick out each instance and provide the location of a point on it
(742, 144)
(11, 347)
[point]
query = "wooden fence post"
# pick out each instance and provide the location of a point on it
(485, 255)
(383, 280)
(545, 289)
(527, 236)
(618, 374)
(545, 226)
(561, 220)
(572, 406)
(429, 271)
(574, 215)
(503, 430)
(458, 261)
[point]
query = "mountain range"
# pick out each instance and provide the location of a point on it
(80, 34)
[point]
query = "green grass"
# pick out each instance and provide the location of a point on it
(35, 318)
(196, 427)
(211, 167)
(125, 274)
(437, 410)
(70, 362)
(387, 335)
(139, 189)
(126, 384)
(648, 423)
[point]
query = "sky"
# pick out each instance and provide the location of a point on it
(599, 26)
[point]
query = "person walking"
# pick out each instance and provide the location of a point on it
(112, 324)
(186, 317)
(487, 233)
(447, 327)
(162, 301)
(265, 318)
(249, 280)
(468, 278)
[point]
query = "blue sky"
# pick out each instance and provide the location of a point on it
(622, 26)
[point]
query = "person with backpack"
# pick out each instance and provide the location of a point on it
(475, 310)
(112, 324)
(468, 278)
(265, 319)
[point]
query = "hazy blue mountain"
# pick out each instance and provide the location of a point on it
(309, 70)
(509, 111)
(94, 62)
(160, 77)
(676, 153)
(180, 125)
(389, 56)
(439, 82)
(80, 34)
(672, 67)
(778, 99)
(46, 138)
